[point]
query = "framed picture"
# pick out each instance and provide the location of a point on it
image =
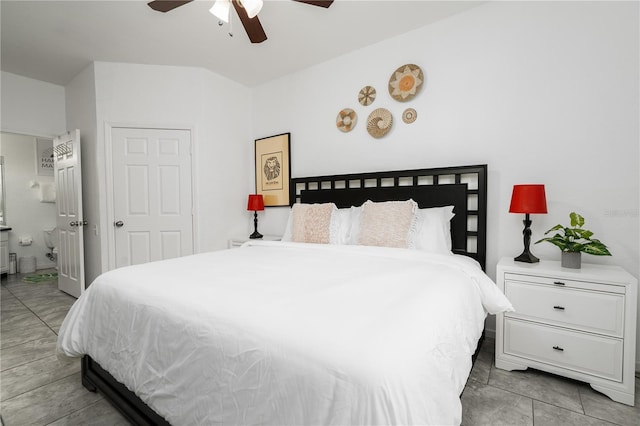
(273, 169)
(44, 157)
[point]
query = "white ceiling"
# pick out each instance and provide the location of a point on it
(54, 40)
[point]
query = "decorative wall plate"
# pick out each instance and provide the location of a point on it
(406, 82)
(346, 120)
(379, 122)
(409, 115)
(367, 95)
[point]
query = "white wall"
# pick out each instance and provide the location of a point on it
(25, 214)
(543, 92)
(31, 107)
(81, 114)
(212, 107)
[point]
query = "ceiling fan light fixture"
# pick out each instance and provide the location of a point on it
(252, 7)
(220, 10)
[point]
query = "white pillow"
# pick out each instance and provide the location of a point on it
(433, 230)
(355, 214)
(287, 230)
(343, 227)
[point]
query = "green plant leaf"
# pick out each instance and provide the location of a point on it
(596, 249)
(557, 240)
(576, 219)
(585, 233)
(576, 239)
(555, 228)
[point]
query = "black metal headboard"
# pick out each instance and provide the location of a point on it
(464, 187)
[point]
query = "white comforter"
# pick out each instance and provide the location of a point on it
(286, 333)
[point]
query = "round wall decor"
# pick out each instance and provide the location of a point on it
(346, 120)
(406, 82)
(379, 122)
(409, 115)
(367, 95)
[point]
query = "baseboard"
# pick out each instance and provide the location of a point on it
(490, 333)
(46, 265)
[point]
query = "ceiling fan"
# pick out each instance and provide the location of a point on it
(247, 11)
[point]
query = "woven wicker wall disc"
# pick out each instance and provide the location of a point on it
(367, 95)
(346, 120)
(409, 115)
(405, 82)
(379, 122)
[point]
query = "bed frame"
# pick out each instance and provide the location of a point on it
(463, 187)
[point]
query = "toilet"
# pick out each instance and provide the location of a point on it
(51, 241)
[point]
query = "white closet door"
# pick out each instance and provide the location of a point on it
(152, 197)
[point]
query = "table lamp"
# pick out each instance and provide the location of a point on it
(528, 199)
(255, 204)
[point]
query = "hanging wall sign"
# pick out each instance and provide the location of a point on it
(44, 157)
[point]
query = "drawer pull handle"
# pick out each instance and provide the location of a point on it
(560, 308)
(558, 283)
(558, 348)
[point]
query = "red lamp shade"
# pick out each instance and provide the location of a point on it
(255, 203)
(528, 199)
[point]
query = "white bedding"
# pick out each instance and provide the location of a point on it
(289, 333)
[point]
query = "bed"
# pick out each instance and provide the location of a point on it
(299, 333)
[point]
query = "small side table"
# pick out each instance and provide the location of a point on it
(238, 241)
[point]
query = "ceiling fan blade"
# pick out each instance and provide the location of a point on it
(321, 3)
(166, 5)
(252, 26)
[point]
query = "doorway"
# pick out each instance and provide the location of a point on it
(24, 209)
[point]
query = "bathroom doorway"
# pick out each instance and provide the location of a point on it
(22, 209)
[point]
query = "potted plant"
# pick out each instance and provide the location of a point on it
(575, 240)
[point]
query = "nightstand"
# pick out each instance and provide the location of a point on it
(577, 323)
(238, 241)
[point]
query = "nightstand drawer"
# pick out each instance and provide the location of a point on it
(568, 307)
(585, 353)
(566, 283)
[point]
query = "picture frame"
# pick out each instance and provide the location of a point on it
(273, 169)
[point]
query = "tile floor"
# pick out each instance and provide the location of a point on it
(37, 388)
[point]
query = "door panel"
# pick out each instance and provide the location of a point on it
(152, 194)
(68, 178)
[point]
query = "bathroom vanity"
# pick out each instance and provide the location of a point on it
(4, 249)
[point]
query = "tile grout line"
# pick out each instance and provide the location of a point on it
(38, 387)
(557, 406)
(79, 409)
(37, 316)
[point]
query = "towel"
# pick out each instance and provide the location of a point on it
(47, 192)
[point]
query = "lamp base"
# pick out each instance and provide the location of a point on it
(255, 235)
(527, 257)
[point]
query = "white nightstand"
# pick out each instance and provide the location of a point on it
(577, 323)
(238, 241)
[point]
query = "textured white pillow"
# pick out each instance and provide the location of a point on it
(313, 223)
(339, 228)
(433, 230)
(388, 223)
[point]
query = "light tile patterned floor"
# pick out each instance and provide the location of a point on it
(38, 388)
